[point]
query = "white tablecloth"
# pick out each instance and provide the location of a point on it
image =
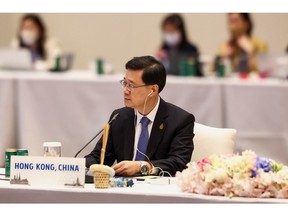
(70, 111)
(201, 97)
(259, 112)
(138, 193)
(72, 107)
(8, 129)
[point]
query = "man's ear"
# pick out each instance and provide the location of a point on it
(155, 88)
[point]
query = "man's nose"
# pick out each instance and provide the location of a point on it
(125, 90)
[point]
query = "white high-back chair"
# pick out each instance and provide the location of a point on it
(211, 140)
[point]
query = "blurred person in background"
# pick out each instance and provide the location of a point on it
(242, 47)
(32, 35)
(176, 49)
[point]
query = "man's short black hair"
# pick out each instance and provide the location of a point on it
(153, 71)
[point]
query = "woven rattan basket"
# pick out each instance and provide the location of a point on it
(101, 179)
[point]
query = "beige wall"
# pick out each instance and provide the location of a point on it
(6, 27)
(119, 36)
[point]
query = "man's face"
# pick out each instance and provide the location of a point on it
(135, 97)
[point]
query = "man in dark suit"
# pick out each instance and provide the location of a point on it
(149, 136)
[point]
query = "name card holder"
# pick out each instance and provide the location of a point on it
(30, 170)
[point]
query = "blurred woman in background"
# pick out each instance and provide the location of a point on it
(241, 48)
(176, 50)
(32, 35)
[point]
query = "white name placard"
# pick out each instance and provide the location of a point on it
(30, 170)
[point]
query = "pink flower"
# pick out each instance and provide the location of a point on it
(203, 162)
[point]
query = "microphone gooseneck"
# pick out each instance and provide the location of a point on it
(114, 117)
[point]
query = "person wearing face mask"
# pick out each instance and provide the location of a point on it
(32, 35)
(242, 48)
(175, 47)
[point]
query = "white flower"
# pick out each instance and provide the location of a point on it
(265, 178)
(220, 175)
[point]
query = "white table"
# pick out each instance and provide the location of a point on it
(8, 128)
(201, 97)
(259, 112)
(66, 109)
(138, 193)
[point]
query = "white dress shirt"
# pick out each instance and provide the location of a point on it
(151, 117)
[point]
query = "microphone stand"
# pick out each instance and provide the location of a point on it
(88, 178)
(88, 143)
(114, 117)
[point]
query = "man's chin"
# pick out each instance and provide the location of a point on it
(127, 104)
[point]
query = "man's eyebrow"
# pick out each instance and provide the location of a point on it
(131, 81)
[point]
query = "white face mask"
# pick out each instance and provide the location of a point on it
(28, 37)
(172, 39)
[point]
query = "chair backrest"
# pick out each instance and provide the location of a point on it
(211, 140)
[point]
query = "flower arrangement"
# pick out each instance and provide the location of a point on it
(239, 175)
(121, 182)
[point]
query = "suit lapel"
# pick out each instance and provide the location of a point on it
(158, 129)
(129, 141)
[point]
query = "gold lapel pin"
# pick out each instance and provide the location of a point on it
(161, 126)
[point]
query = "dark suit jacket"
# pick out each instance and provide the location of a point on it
(170, 144)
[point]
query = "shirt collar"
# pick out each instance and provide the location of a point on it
(150, 116)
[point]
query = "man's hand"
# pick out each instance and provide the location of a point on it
(127, 168)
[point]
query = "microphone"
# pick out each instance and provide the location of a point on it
(114, 117)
